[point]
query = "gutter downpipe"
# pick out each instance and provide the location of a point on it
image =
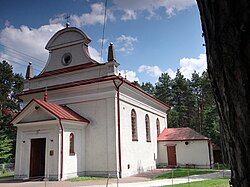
(61, 168)
(117, 86)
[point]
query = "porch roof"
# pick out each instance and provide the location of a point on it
(62, 112)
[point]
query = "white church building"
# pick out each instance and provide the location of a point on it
(80, 117)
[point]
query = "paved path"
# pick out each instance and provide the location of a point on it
(141, 180)
(164, 182)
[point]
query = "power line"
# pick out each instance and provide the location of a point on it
(23, 59)
(22, 53)
(64, 79)
(15, 62)
(103, 29)
(18, 55)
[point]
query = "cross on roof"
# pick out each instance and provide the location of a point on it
(67, 23)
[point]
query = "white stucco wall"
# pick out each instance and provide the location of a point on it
(96, 103)
(23, 146)
(100, 152)
(76, 51)
(74, 165)
(138, 156)
(195, 153)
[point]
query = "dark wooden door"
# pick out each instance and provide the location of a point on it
(171, 151)
(37, 157)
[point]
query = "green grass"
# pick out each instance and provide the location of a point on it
(8, 174)
(183, 172)
(85, 179)
(205, 183)
(221, 166)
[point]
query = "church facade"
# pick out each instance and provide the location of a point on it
(82, 118)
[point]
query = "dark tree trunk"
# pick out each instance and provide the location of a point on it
(226, 27)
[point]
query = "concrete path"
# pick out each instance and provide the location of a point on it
(164, 182)
(141, 180)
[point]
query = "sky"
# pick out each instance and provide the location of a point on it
(150, 37)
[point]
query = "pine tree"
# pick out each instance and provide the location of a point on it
(148, 87)
(10, 85)
(163, 88)
(6, 148)
(181, 97)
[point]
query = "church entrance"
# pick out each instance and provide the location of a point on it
(37, 158)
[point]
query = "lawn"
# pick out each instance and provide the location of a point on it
(205, 183)
(85, 179)
(183, 172)
(8, 174)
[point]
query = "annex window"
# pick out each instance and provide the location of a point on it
(147, 123)
(158, 127)
(134, 125)
(71, 144)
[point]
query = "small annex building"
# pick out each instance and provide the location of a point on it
(80, 117)
(184, 147)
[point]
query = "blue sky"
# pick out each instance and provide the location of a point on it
(150, 36)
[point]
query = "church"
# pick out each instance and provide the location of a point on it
(82, 118)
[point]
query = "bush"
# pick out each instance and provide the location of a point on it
(4, 171)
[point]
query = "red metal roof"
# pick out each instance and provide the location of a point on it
(62, 112)
(180, 134)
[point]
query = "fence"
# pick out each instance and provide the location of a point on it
(9, 167)
(168, 176)
(189, 175)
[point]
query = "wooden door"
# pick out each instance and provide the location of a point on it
(37, 157)
(171, 152)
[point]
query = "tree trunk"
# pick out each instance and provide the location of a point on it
(226, 27)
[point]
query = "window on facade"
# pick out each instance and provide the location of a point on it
(71, 144)
(158, 127)
(134, 126)
(148, 138)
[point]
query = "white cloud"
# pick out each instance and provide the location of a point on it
(125, 43)
(94, 54)
(189, 65)
(174, 6)
(104, 40)
(153, 71)
(171, 7)
(29, 41)
(96, 16)
(60, 18)
(129, 75)
(129, 15)
(171, 73)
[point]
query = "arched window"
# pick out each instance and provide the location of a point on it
(158, 127)
(71, 144)
(134, 125)
(147, 123)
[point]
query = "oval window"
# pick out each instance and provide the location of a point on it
(66, 59)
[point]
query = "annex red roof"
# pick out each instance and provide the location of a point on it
(180, 134)
(62, 112)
